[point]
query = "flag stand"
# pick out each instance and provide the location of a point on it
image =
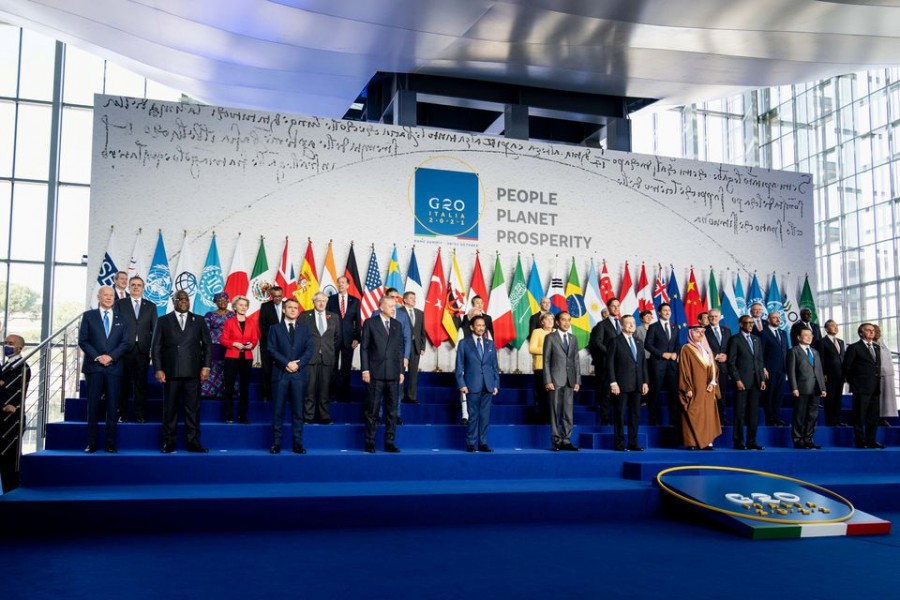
(517, 371)
(437, 359)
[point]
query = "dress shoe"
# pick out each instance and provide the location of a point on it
(243, 420)
(470, 448)
(198, 449)
(554, 448)
(275, 449)
(485, 448)
(123, 419)
(692, 448)
(168, 448)
(399, 421)
(410, 401)
(740, 447)
(861, 446)
(710, 447)
(391, 448)
(370, 449)
(464, 421)
(90, 449)
(229, 421)
(568, 447)
(299, 449)
(635, 448)
(876, 446)
(621, 449)
(842, 424)
(755, 447)
(780, 423)
(813, 446)
(307, 421)
(111, 449)
(884, 423)
(802, 446)
(327, 422)
(141, 420)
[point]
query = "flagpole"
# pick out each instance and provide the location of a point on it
(437, 359)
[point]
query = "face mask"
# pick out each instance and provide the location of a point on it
(9, 350)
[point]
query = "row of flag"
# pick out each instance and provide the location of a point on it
(446, 301)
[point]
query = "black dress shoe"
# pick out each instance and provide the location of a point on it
(90, 449)
(740, 447)
(800, 446)
(141, 420)
(243, 420)
(635, 448)
(470, 448)
(123, 419)
(813, 446)
(568, 448)
(327, 422)
(275, 449)
(410, 401)
(111, 449)
(708, 448)
(370, 449)
(463, 421)
(399, 421)
(876, 446)
(229, 421)
(198, 449)
(168, 448)
(621, 449)
(780, 423)
(307, 421)
(391, 448)
(298, 449)
(554, 448)
(485, 448)
(755, 447)
(692, 448)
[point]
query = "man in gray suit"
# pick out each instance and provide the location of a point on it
(562, 378)
(417, 341)
(324, 327)
(807, 381)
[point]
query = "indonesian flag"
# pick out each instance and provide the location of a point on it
(627, 299)
(282, 279)
(434, 305)
(504, 325)
(328, 283)
(644, 295)
(238, 280)
(606, 287)
(477, 287)
(308, 280)
(557, 293)
(455, 305)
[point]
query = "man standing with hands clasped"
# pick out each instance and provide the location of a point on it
(562, 378)
(478, 377)
(807, 381)
(382, 363)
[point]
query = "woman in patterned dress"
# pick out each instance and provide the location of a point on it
(215, 320)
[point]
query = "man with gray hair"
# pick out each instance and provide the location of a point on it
(323, 326)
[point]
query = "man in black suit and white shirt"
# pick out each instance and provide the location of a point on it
(717, 336)
(775, 349)
(832, 350)
(664, 344)
(745, 368)
(535, 321)
(417, 323)
(862, 371)
(323, 326)
(381, 360)
(602, 335)
(805, 322)
(270, 313)
(181, 353)
(347, 308)
(140, 314)
(628, 377)
(807, 381)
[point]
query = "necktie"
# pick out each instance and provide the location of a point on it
(750, 341)
(321, 318)
(291, 331)
(718, 335)
(106, 322)
(618, 329)
(181, 320)
(412, 318)
(387, 327)
(809, 355)
(668, 333)
(137, 308)
(565, 337)
(480, 348)
(278, 311)
(872, 350)
(343, 306)
(633, 348)
(837, 346)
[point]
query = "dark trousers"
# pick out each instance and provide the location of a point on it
(288, 389)
(541, 398)
(772, 397)
(102, 388)
(318, 392)
(134, 383)
(265, 362)
(834, 391)
(187, 390)
(9, 474)
(865, 418)
(602, 395)
(10, 449)
(479, 417)
(746, 412)
(235, 367)
(378, 390)
(630, 401)
(411, 381)
(803, 421)
(343, 360)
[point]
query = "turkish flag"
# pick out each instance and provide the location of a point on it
(434, 304)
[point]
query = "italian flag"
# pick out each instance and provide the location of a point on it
(504, 326)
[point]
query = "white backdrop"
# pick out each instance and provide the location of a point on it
(199, 169)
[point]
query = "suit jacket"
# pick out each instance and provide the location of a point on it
(657, 343)
(795, 331)
(15, 375)
(802, 376)
(268, 316)
(351, 322)
(601, 335)
(714, 344)
(477, 372)
(284, 350)
(417, 333)
(93, 341)
(180, 353)
(745, 365)
(629, 373)
(488, 325)
(534, 322)
(640, 334)
(561, 368)
(832, 358)
(861, 372)
(775, 349)
(325, 344)
(381, 354)
(143, 325)
(232, 333)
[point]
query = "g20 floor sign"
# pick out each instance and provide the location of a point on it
(446, 202)
(766, 505)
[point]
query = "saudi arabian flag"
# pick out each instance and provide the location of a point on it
(581, 325)
(806, 300)
(712, 293)
(521, 305)
(259, 279)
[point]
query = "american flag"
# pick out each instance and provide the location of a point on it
(374, 288)
(660, 294)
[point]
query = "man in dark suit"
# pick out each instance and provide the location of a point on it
(291, 347)
(805, 322)
(535, 321)
(628, 377)
(775, 350)
(14, 378)
(270, 313)
(745, 368)
(756, 313)
(347, 308)
(602, 335)
(406, 327)
(562, 378)
(381, 360)
(417, 323)
(140, 315)
(717, 336)
(807, 381)
(664, 343)
(181, 353)
(105, 338)
(476, 310)
(478, 377)
(862, 371)
(324, 328)
(832, 350)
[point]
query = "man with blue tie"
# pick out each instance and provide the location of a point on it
(562, 379)
(478, 377)
(104, 338)
(775, 350)
(745, 368)
(807, 381)
(628, 375)
(291, 346)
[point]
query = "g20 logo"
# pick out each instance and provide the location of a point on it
(446, 202)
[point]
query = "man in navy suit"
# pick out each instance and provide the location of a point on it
(805, 322)
(862, 371)
(717, 336)
(382, 363)
(602, 335)
(140, 314)
(663, 342)
(270, 314)
(323, 326)
(405, 325)
(775, 350)
(347, 308)
(627, 371)
(181, 353)
(291, 347)
(105, 338)
(478, 377)
(745, 368)
(832, 350)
